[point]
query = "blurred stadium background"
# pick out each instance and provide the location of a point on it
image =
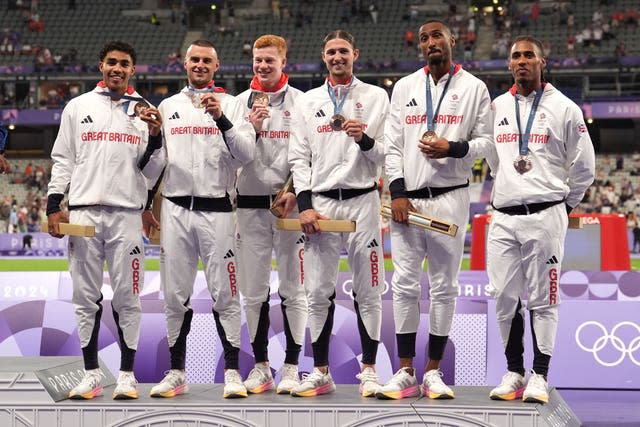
(48, 55)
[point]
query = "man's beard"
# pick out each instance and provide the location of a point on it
(437, 60)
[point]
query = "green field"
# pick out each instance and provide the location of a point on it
(57, 264)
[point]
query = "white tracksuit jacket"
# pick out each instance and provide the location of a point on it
(95, 156)
(322, 159)
(257, 237)
(464, 115)
(524, 252)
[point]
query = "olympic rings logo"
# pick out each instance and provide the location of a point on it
(610, 338)
(347, 287)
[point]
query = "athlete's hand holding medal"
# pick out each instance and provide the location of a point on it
(151, 116)
(353, 128)
(211, 105)
(433, 146)
(259, 110)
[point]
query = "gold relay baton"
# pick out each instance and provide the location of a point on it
(576, 222)
(425, 222)
(337, 225)
(288, 187)
(72, 229)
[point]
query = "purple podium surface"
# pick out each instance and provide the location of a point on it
(599, 330)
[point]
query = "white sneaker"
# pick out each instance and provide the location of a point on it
(233, 385)
(259, 379)
(90, 386)
(537, 390)
(433, 387)
(126, 386)
(314, 384)
(511, 387)
(401, 385)
(369, 382)
(173, 384)
(289, 379)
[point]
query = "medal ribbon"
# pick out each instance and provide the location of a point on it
(117, 97)
(524, 138)
(431, 115)
(337, 107)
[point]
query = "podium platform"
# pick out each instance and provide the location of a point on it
(25, 402)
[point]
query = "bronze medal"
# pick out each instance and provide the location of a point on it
(429, 135)
(522, 164)
(337, 120)
(261, 98)
(196, 99)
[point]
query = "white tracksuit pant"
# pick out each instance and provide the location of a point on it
(524, 255)
(365, 256)
(410, 245)
(118, 241)
(187, 236)
(256, 239)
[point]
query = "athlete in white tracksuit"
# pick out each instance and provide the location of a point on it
(525, 243)
(436, 187)
(101, 156)
(258, 183)
(336, 177)
(203, 154)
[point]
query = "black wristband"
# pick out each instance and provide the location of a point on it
(397, 189)
(458, 149)
(366, 143)
(53, 203)
(304, 200)
(223, 123)
(155, 142)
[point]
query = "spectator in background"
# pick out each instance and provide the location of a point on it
(413, 12)
(587, 36)
(13, 219)
(606, 32)
(5, 213)
(33, 220)
(4, 165)
(636, 237)
(571, 41)
(620, 50)
(36, 25)
(476, 169)
(275, 10)
(535, 11)
(409, 40)
(246, 47)
(597, 17)
(28, 170)
(154, 19)
(597, 35)
(468, 50)
(373, 11)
